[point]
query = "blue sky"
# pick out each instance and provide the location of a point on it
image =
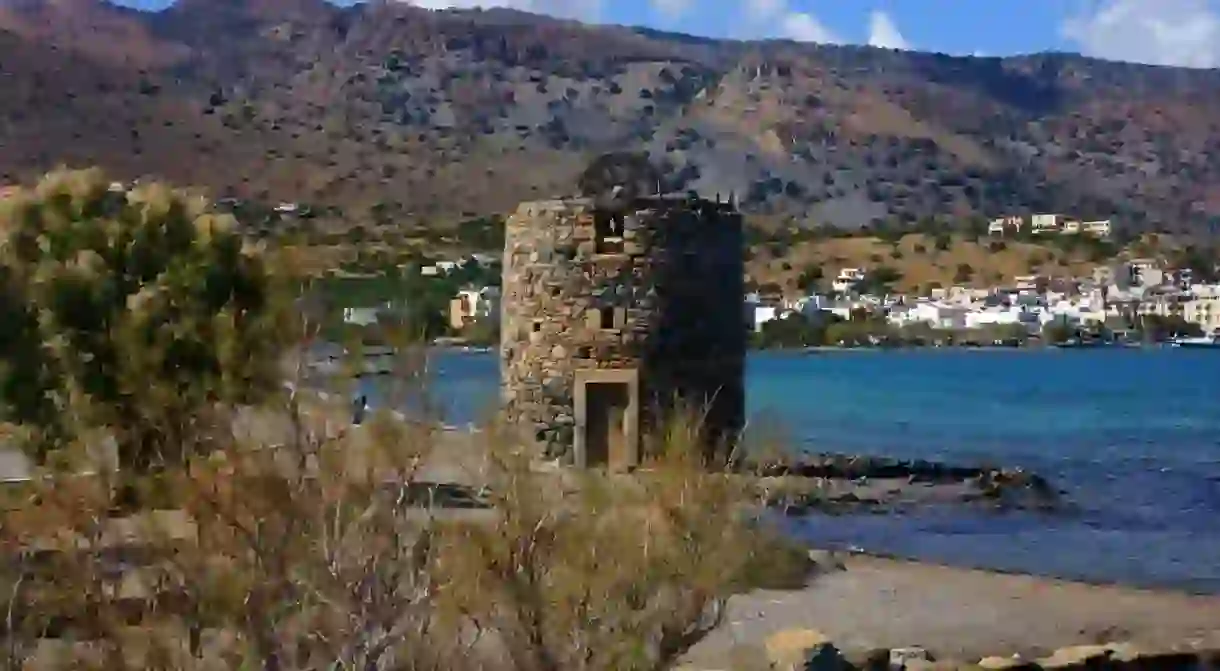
(1165, 32)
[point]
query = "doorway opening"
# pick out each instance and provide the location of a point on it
(606, 424)
(607, 420)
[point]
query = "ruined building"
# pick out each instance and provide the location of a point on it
(614, 305)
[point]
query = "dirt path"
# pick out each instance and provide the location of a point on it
(961, 614)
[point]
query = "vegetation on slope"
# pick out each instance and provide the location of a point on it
(386, 116)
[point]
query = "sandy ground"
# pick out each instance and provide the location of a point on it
(961, 614)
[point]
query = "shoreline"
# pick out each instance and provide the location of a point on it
(817, 349)
(864, 602)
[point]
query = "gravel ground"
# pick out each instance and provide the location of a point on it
(869, 602)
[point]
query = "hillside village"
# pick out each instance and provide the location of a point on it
(1122, 298)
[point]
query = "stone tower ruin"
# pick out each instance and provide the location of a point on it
(616, 308)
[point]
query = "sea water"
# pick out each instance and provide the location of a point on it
(1132, 436)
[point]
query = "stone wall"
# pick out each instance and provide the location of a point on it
(658, 289)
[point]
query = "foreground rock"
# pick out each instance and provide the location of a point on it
(811, 650)
(803, 650)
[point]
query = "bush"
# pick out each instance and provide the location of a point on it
(139, 311)
(330, 551)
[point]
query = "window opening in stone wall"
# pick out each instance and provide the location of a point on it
(537, 325)
(608, 232)
(607, 318)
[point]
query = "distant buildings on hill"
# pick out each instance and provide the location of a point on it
(1123, 292)
(1045, 224)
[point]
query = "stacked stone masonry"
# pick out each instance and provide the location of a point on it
(654, 292)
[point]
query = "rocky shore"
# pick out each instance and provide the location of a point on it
(862, 612)
(839, 483)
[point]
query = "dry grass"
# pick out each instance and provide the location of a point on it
(306, 556)
(920, 263)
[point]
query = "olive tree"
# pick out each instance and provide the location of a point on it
(137, 311)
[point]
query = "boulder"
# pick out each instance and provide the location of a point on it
(803, 650)
(942, 665)
(1014, 663)
(871, 659)
(1075, 657)
(906, 658)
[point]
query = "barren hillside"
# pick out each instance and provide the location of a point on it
(384, 114)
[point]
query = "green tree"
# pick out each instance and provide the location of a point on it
(793, 330)
(1057, 331)
(483, 331)
(808, 281)
(878, 281)
(141, 311)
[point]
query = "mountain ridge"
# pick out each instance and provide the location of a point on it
(391, 114)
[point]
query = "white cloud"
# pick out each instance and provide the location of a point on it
(805, 27)
(884, 33)
(778, 18)
(1158, 32)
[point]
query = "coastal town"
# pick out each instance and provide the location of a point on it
(1124, 300)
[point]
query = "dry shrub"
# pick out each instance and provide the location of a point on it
(618, 572)
(321, 545)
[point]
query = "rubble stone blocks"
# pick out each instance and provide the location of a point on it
(659, 289)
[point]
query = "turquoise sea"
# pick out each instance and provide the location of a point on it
(1133, 436)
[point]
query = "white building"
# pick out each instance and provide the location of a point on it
(361, 316)
(1000, 316)
(1045, 223)
(439, 268)
(1203, 307)
(1002, 225)
(1101, 228)
(1025, 282)
(763, 314)
(472, 304)
(846, 279)
(809, 305)
(936, 314)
